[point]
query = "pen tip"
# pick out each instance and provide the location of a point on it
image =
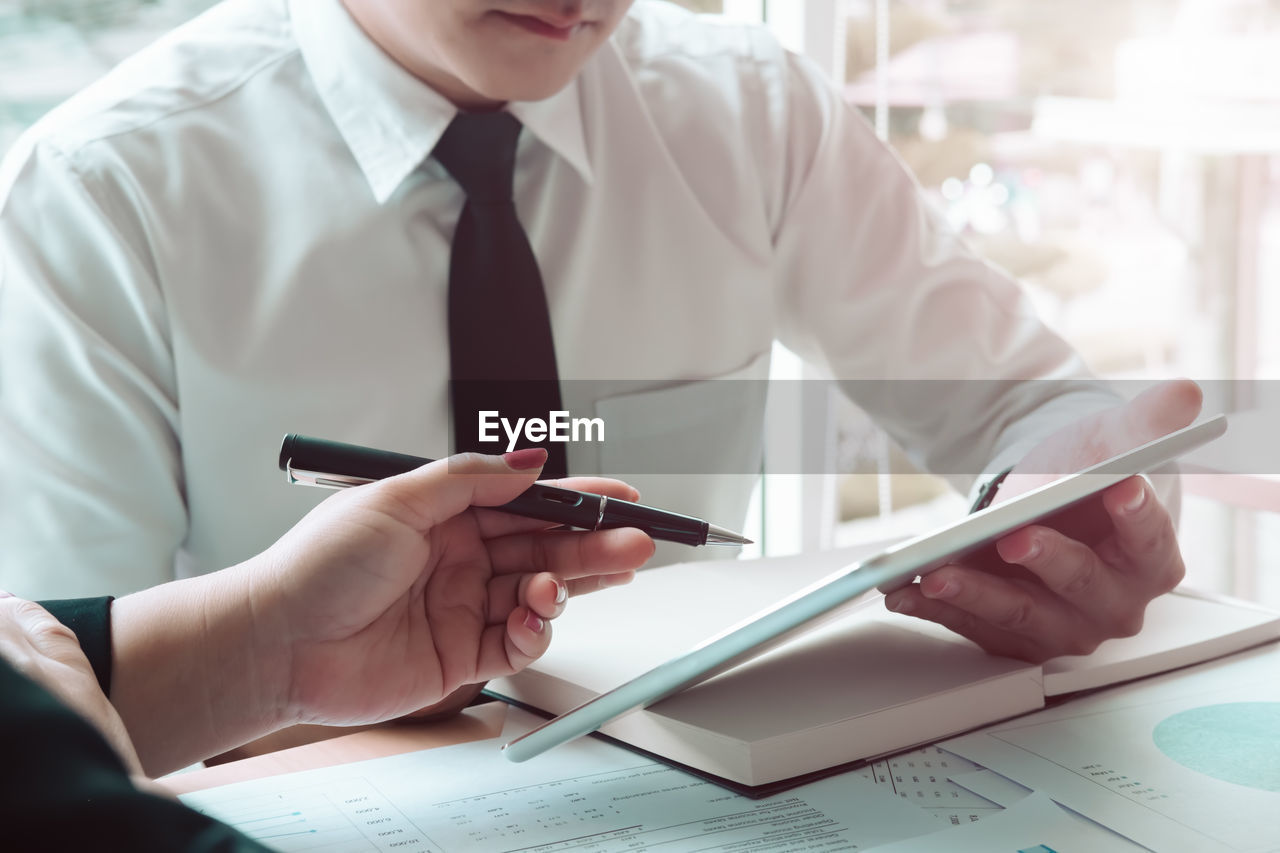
(721, 536)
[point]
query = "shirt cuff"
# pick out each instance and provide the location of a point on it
(90, 620)
(1001, 465)
(987, 493)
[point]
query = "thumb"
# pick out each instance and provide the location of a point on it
(445, 488)
(1157, 411)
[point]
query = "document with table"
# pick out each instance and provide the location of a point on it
(1183, 762)
(594, 796)
(588, 796)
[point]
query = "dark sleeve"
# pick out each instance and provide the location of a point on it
(90, 620)
(62, 787)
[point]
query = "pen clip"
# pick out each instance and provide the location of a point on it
(321, 479)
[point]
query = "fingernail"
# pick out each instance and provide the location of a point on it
(534, 622)
(562, 592)
(902, 605)
(1033, 551)
(526, 459)
(944, 589)
(1136, 503)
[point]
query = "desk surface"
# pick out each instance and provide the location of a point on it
(474, 723)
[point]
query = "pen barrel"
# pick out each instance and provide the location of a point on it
(551, 503)
(317, 454)
(540, 501)
(658, 523)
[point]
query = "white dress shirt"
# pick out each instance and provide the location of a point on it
(239, 233)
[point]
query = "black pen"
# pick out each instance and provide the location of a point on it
(335, 465)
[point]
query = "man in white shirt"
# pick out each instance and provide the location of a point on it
(241, 232)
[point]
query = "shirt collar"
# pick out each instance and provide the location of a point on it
(391, 120)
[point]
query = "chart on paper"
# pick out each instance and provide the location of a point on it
(922, 778)
(1192, 759)
(587, 795)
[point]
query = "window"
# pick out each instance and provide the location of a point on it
(1122, 158)
(49, 49)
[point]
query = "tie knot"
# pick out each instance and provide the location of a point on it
(479, 151)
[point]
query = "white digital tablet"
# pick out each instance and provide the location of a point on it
(1061, 504)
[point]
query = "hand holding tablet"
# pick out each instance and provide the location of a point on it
(1061, 500)
(1064, 587)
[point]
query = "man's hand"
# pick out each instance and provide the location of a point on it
(1068, 597)
(47, 652)
(390, 597)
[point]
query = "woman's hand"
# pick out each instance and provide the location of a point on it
(384, 599)
(389, 597)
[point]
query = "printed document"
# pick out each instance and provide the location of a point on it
(1188, 761)
(589, 795)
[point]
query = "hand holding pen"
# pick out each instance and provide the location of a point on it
(336, 465)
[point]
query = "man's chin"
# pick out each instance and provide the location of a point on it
(525, 88)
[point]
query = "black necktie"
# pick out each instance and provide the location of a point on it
(502, 355)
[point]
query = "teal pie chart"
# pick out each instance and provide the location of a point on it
(1238, 742)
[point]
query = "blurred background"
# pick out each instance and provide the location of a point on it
(1121, 157)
